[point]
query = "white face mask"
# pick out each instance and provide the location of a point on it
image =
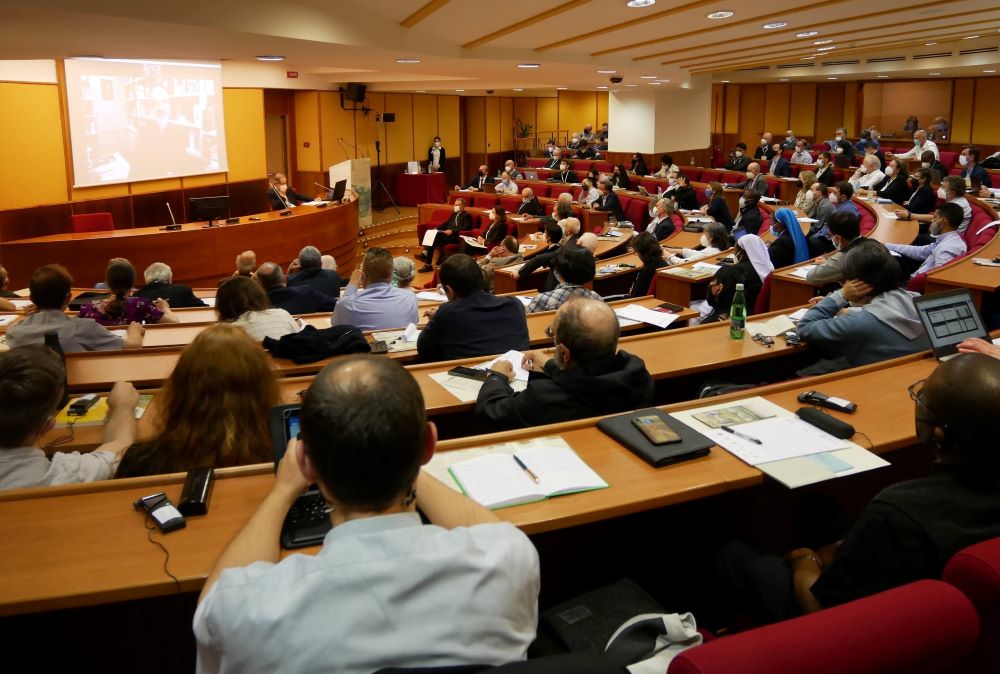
(743, 203)
(493, 216)
(672, 181)
(820, 162)
(942, 194)
(738, 153)
(837, 242)
(705, 241)
(925, 164)
(889, 171)
(918, 143)
(763, 141)
(936, 227)
(457, 208)
(749, 175)
(839, 138)
(963, 159)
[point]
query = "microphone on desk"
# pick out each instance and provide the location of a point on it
(341, 142)
(173, 226)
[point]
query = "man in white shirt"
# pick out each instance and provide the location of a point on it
(506, 185)
(32, 380)
(588, 193)
(801, 154)
(869, 174)
(920, 145)
(384, 590)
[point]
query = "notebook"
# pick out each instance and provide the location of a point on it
(691, 446)
(308, 520)
(949, 318)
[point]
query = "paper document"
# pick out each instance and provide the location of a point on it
(524, 247)
(889, 215)
(780, 438)
(985, 262)
(429, 237)
(512, 267)
(465, 389)
(7, 320)
(396, 340)
(19, 303)
(636, 312)
(769, 200)
(706, 267)
(473, 242)
(808, 220)
(525, 299)
(119, 333)
(803, 272)
(432, 296)
(209, 301)
(778, 325)
(797, 315)
(515, 358)
(615, 233)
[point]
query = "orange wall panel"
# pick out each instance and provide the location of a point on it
(493, 125)
(803, 109)
(547, 111)
(602, 109)
(776, 109)
(475, 125)
(507, 123)
(425, 124)
(365, 130)
(829, 110)
(751, 114)
(524, 110)
(732, 108)
(986, 122)
(307, 133)
(961, 110)
(399, 134)
(335, 123)
(449, 126)
(576, 110)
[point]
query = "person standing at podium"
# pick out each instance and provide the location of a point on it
(281, 195)
(435, 156)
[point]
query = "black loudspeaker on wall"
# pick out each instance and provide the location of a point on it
(355, 92)
(388, 117)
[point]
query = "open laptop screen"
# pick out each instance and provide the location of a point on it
(949, 318)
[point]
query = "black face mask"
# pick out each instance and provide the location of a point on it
(482, 173)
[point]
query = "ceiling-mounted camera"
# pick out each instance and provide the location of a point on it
(616, 79)
(489, 91)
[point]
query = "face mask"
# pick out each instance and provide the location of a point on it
(837, 242)
(788, 138)
(749, 175)
(563, 167)
(738, 153)
(840, 150)
(672, 181)
(743, 203)
(493, 216)
(889, 171)
(708, 192)
(925, 164)
(839, 138)
(763, 141)
(457, 208)
(936, 228)
(437, 143)
(963, 159)
(918, 143)
(942, 194)
(705, 241)
(820, 162)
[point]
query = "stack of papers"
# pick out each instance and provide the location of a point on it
(706, 267)
(803, 272)
(7, 320)
(635, 312)
(20, 304)
(473, 242)
(525, 299)
(465, 389)
(399, 340)
(684, 272)
(515, 358)
(808, 220)
(981, 261)
(778, 325)
(798, 314)
(432, 296)
(209, 301)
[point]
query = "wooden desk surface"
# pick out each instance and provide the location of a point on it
(965, 273)
(80, 545)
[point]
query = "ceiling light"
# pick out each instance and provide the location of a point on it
(826, 41)
(883, 77)
(774, 24)
(989, 71)
(824, 48)
(561, 88)
(635, 85)
(421, 91)
(663, 81)
(459, 90)
(529, 65)
(783, 79)
(647, 77)
(933, 74)
(808, 58)
(407, 60)
(656, 83)
(808, 33)
(930, 44)
(518, 89)
(725, 81)
(970, 37)
(270, 57)
(721, 14)
(602, 87)
(606, 72)
(640, 3)
(831, 78)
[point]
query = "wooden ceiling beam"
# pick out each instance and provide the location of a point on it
(422, 13)
(525, 23)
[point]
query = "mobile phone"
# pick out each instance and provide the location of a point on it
(830, 402)
(469, 372)
(668, 308)
(163, 513)
(79, 407)
(379, 346)
(655, 429)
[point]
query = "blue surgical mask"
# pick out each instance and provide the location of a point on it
(708, 191)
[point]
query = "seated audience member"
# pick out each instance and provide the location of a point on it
(550, 148)
(32, 379)
(972, 172)
(501, 256)
(923, 200)
(122, 308)
(751, 268)
(370, 302)
(684, 195)
(608, 201)
(159, 285)
(448, 231)
(472, 322)
(574, 267)
(790, 141)
(530, 205)
(648, 249)
(789, 245)
(493, 235)
(886, 326)
(586, 151)
(823, 209)
(51, 289)
(565, 175)
(667, 166)
(476, 183)
(213, 410)
(895, 187)
(947, 245)
(588, 193)
(404, 271)
(910, 529)
(754, 181)
(242, 302)
(920, 145)
(246, 262)
(588, 132)
(297, 300)
(510, 169)
(714, 240)
(841, 196)
(546, 259)
(825, 172)
(763, 150)
(506, 185)
(619, 178)
(462, 590)
(662, 224)
(952, 190)
(717, 206)
(5, 292)
(638, 165)
(311, 273)
(804, 197)
(571, 231)
(586, 375)
(778, 166)
(738, 160)
(588, 241)
(555, 160)
(749, 219)
(801, 154)
(329, 263)
(281, 195)
(869, 175)
(844, 231)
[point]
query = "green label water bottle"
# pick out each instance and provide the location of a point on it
(738, 314)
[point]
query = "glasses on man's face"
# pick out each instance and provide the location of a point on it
(548, 331)
(914, 390)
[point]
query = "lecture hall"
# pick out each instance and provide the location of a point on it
(657, 337)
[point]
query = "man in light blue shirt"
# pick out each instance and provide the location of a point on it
(385, 590)
(841, 195)
(948, 243)
(369, 301)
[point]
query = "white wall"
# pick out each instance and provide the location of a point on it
(40, 71)
(632, 121)
(684, 116)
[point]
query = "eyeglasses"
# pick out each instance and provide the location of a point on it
(914, 390)
(763, 340)
(548, 331)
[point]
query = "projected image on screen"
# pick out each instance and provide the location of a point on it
(139, 120)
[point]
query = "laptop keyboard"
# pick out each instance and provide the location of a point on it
(306, 523)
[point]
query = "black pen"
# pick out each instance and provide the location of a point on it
(525, 469)
(727, 429)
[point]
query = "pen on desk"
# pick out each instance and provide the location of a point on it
(727, 429)
(525, 469)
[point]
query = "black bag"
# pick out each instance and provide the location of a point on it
(310, 344)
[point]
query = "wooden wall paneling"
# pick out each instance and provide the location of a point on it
(493, 123)
(776, 109)
(335, 124)
(547, 114)
(450, 130)
(507, 123)
(602, 110)
(751, 114)
(307, 150)
(475, 129)
(524, 110)
(732, 99)
(245, 144)
(365, 128)
(985, 121)
(718, 108)
(802, 118)
(26, 223)
(247, 197)
(577, 109)
(829, 110)
(399, 134)
(150, 210)
(425, 125)
(120, 209)
(850, 122)
(31, 130)
(961, 110)
(280, 101)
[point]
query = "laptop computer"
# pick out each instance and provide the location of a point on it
(308, 520)
(531, 175)
(337, 193)
(949, 318)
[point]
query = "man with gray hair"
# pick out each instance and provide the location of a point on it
(160, 286)
(299, 300)
(246, 262)
(329, 262)
(312, 274)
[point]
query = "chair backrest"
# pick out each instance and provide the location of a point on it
(920, 628)
(948, 158)
(976, 572)
(708, 175)
(693, 174)
(637, 212)
(92, 222)
(772, 186)
(604, 166)
(763, 301)
(484, 200)
(510, 204)
(537, 162)
(979, 232)
(867, 221)
(556, 190)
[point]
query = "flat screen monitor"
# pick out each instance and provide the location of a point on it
(337, 193)
(208, 209)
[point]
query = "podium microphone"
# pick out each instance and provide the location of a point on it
(341, 142)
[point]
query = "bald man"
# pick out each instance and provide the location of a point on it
(755, 181)
(920, 145)
(530, 205)
(302, 299)
(585, 376)
(246, 262)
(588, 241)
(910, 529)
(571, 230)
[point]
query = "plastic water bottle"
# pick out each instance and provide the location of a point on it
(738, 314)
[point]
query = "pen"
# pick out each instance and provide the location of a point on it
(525, 468)
(727, 429)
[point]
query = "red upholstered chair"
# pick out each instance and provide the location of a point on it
(732, 177)
(976, 572)
(763, 301)
(510, 204)
(867, 221)
(637, 212)
(453, 197)
(650, 184)
(699, 194)
(485, 200)
(556, 190)
(772, 186)
(980, 232)
(693, 174)
(995, 179)
(708, 175)
(604, 166)
(947, 158)
(820, 147)
(537, 162)
(437, 217)
(92, 222)
(540, 190)
(921, 628)
(764, 164)
(956, 171)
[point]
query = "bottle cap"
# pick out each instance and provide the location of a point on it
(739, 286)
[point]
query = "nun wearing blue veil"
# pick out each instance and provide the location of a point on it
(789, 245)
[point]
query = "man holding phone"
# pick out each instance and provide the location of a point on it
(586, 375)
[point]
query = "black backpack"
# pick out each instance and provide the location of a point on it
(311, 344)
